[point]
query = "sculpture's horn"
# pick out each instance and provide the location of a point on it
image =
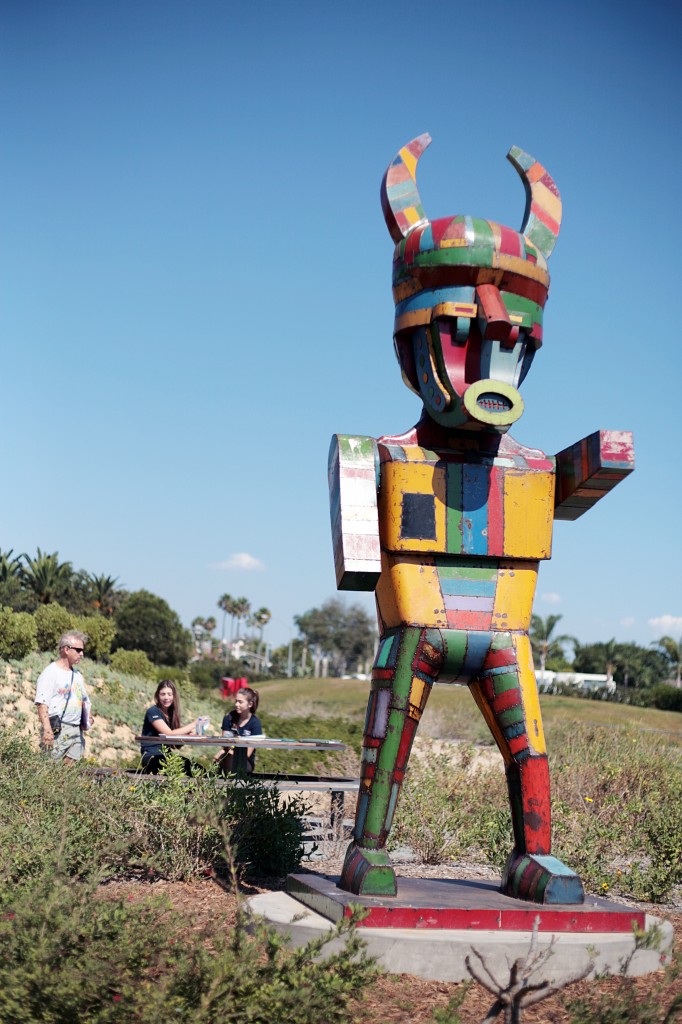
(542, 219)
(400, 198)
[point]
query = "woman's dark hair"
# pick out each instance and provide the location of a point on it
(172, 715)
(251, 696)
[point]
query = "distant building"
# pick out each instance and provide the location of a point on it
(580, 680)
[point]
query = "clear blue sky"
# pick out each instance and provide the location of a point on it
(196, 276)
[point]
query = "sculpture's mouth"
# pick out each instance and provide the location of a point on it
(489, 401)
(493, 402)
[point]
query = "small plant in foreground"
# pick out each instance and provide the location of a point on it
(626, 1003)
(69, 952)
(523, 987)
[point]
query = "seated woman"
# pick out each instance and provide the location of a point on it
(163, 719)
(241, 721)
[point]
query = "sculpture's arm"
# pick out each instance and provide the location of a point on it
(355, 517)
(589, 469)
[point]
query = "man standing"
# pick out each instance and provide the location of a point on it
(60, 691)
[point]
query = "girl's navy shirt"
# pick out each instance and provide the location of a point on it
(153, 714)
(251, 728)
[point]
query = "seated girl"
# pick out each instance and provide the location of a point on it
(241, 721)
(163, 719)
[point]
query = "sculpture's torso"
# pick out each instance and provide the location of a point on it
(462, 529)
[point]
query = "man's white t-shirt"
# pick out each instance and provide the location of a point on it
(55, 688)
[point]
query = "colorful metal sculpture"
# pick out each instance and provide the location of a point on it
(448, 521)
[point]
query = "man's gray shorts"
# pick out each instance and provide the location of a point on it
(69, 743)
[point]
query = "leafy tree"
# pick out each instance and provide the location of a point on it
(345, 634)
(145, 622)
(45, 577)
(673, 650)
(545, 646)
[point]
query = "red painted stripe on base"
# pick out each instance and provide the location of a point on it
(563, 920)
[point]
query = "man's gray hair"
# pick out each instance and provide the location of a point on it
(66, 638)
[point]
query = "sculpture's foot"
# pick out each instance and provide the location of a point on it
(541, 879)
(367, 872)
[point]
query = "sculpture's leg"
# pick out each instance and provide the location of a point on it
(506, 692)
(407, 663)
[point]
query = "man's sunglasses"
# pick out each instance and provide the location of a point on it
(70, 647)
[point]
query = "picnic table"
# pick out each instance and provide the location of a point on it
(240, 743)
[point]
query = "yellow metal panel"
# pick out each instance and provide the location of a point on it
(408, 593)
(546, 200)
(413, 453)
(409, 160)
(517, 265)
(417, 697)
(514, 595)
(528, 514)
(416, 318)
(529, 691)
(399, 478)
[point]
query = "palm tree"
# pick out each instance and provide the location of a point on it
(241, 608)
(544, 645)
(673, 649)
(261, 617)
(45, 577)
(226, 605)
(103, 592)
(612, 658)
(9, 566)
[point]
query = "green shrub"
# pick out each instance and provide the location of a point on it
(100, 631)
(51, 621)
(124, 825)
(667, 698)
(70, 953)
(429, 820)
(17, 634)
(207, 673)
(266, 833)
(133, 663)
(178, 675)
(627, 1002)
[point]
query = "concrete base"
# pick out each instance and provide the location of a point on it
(439, 953)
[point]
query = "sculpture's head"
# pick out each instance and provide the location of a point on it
(469, 295)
